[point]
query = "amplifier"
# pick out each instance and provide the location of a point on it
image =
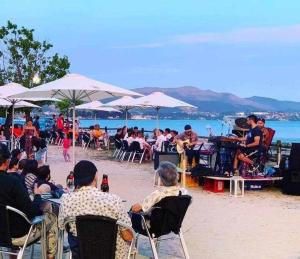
(162, 157)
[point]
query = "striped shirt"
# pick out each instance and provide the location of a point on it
(29, 181)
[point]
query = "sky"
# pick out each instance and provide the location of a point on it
(243, 47)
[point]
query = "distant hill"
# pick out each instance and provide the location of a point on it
(210, 101)
(284, 106)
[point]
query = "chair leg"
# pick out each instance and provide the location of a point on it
(142, 156)
(130, 154)
(153, 248)
(133, 157)
(1, 256)
(184, 247)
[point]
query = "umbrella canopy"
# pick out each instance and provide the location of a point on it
(10, 89)
(96, 106)
(21, 104)
(74, 87)
(158, 100)
(6, 92)
(124, 103)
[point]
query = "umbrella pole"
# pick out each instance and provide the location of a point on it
(126, 117)
(157, 119)
(73, 139)
(12, 127)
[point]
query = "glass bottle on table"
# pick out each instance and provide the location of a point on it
(70, 182)
(104, 185)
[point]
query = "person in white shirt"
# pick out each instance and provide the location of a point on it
(160, 138)
(169, 180)
(144, 145)
(167, 134)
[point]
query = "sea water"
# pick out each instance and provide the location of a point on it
(286, 131)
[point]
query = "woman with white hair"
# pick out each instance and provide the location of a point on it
(168, 174)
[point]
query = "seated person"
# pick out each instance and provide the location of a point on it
(135, 131)
(13, 166)
(261, 123)
(95, 202)
(160, 139)
(173, 133)
(16, 153)
(191, 138)
(167, 134)
(43, 181)
(98, 135)
(144, 145)
(251, 143)
(169, 180)
(29, 174)
(118, 135)
(14, 194)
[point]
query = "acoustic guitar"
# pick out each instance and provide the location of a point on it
(182, 145)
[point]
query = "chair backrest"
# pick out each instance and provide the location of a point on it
(125, 145)
(135, 146)
(167, 215)
(165, 146)
(97, 236)
(270, 138)
(118, 143)
(5, 238)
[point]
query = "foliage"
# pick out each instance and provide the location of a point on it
(22, 56)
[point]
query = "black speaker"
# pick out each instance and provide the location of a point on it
(294, 160)
(291, 177)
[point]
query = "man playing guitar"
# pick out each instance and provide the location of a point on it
(188, 140)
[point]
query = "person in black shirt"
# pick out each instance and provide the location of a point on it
(14, 194)
(251, 143)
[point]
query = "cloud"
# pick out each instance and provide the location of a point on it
(281, 34)
(284, 34)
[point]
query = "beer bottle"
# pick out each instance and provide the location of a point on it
(104, 184)
(70, 182)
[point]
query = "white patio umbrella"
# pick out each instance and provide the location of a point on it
(158, 100)
(13, 88)
(74, 87)
(21, 104)
(95, 106)
(124, 103)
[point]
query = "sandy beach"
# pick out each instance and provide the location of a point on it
(263, 224)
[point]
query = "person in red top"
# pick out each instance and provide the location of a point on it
(59, 127)
(66, 147)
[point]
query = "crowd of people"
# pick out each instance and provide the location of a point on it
(23, 182)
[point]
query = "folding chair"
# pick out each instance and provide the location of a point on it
(97, 236)
(6, 245)
(135, 149)
(125, 151)
(118, 147)
(165, 217)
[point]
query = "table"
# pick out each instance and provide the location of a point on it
(216, 183)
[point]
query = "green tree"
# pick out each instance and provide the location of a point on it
(22, 57)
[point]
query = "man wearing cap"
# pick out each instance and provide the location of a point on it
(191, 139)
(13, 193)
(87, 199)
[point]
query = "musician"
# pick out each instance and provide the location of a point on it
(251, 143)
(266, 135)
(192, 138)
